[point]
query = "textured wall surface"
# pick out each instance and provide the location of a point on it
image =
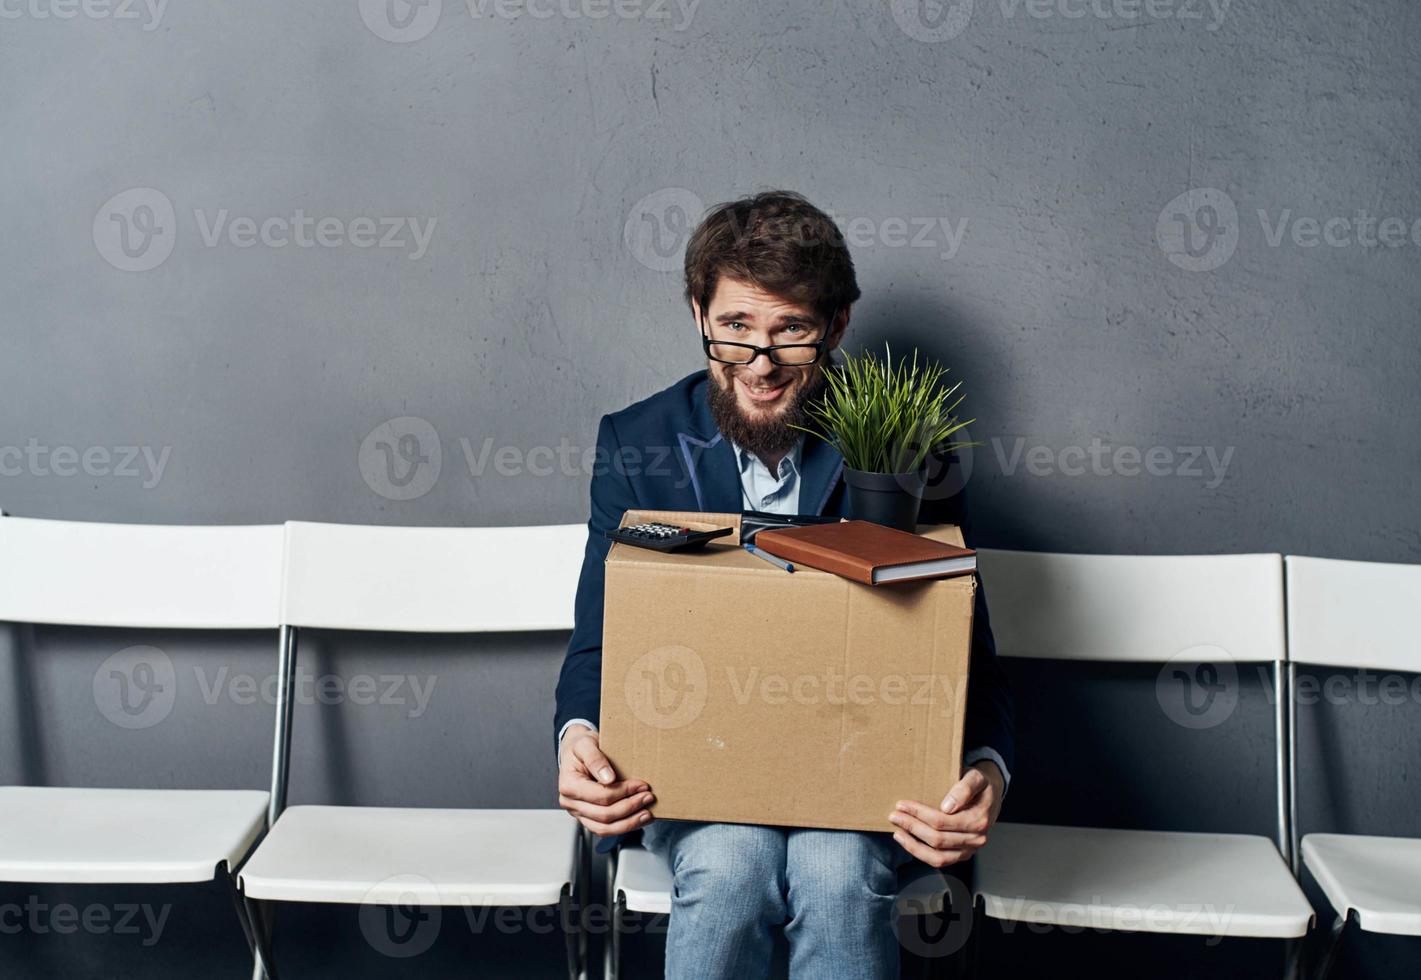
(374, 262)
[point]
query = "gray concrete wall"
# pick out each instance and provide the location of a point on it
(1171, 249)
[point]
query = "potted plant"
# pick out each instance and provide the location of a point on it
(886, 420)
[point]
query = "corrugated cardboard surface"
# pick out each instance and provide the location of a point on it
(746, 694)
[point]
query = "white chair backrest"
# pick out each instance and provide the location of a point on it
(1140, 608)
(432, 579)
(1354, 614)
(140, 575)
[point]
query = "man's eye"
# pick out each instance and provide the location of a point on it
(736, 327)
(797, 329)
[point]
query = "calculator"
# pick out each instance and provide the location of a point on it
(665, 537)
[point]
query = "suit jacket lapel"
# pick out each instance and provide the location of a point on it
(820, 466)
(709, 460)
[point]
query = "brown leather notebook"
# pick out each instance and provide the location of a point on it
(867, 552)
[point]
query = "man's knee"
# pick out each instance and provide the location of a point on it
(721, 860)
(831, 870)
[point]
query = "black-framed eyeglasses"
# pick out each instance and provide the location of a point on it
(785, 355)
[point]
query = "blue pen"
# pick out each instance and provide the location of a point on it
(779, 562)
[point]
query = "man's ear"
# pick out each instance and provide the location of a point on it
(837, 329)
(696, 315)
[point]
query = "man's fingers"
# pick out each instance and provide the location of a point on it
(581, 788)
(939, 839)
(973, 820)
(928, 855)
(587, 751)
(606, 814)
(625, 826)
(968, 788)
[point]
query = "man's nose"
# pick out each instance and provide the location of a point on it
(762, 366)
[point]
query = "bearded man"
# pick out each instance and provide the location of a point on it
(771, 287)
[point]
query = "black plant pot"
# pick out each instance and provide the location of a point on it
(892, 499)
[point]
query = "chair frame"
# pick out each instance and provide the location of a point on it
(222, 871)
(1284, 730)
(261, 913)
(1343, 918)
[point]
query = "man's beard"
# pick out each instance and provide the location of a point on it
(770, 435)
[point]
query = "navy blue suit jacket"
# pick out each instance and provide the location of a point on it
(666, 453)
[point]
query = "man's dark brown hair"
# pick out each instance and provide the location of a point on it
(777, 241)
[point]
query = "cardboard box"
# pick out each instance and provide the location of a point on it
(746, 694)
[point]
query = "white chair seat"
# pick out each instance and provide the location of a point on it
(1378, 877)
(644, 880)
(396, 855)
(1141, 881)
(124, 836)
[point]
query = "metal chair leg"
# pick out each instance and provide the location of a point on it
(612, 946)
(1334, 943)
(572, 935)
(261, 936)
(1293, 958)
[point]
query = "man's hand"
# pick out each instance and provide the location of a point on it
(588, 787)
(955, 830)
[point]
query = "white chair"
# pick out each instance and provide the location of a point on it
(1222, 610)
(431, 580)
(139, 577)
(1361, 615)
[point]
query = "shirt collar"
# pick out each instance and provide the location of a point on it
(789, 466)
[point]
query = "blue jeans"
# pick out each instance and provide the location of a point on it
(832, 891)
